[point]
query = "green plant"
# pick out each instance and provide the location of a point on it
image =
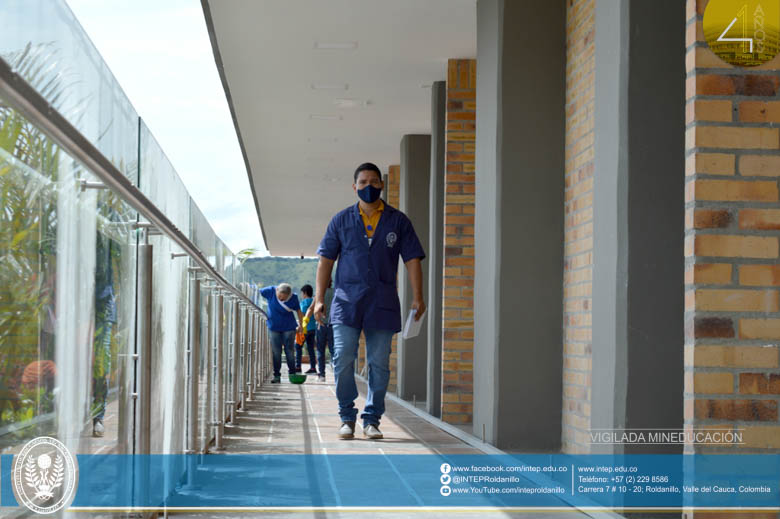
(245, 254)
(29, 164)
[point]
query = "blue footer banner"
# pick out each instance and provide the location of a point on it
(392, 481)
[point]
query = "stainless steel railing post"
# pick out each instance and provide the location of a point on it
(144, 374)
(219, 419)
(250, 356)
(235, 365)
(144, 327)
(256, 347)
(242, 368)
(266, 348)
(193, 380)
(207, 419)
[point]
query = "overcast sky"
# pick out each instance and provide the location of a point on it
(161, 55)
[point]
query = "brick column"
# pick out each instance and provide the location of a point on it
(732, 275)
(458, 281)
(578, 240)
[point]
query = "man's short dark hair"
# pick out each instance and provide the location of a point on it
(307, 290)
(367, 166)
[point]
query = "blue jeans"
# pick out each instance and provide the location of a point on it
(378, 358)
(101, 369)
(277, 339)
(324, 338)
(310, 348)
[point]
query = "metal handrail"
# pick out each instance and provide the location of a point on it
(25, 99)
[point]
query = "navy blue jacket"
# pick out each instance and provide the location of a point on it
(366, 295)
(279, 318)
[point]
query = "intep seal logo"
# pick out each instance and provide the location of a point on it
(45, 475)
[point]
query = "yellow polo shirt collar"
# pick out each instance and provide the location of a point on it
(371, 222)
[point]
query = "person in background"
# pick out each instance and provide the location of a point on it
(282, 305)
(105, 320)
(309, 330)
(324, 332)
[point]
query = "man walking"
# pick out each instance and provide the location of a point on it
(366, 239)
(282, 305)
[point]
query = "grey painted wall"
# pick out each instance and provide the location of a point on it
(486, 219)
(638, 305)
(656, 138)
(519, 220)
(435, 245)
(610, 218)
(414, 202)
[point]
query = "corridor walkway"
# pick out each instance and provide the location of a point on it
(302, 419)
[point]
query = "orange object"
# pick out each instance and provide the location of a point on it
(300, 338)
(39, 371)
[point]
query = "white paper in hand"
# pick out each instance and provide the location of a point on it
(412, 327)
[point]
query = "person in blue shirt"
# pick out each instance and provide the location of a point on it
(282, 305)
(311, 329)
(366, 238)
(324, 333)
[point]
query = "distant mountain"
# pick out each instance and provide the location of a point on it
(272, 271)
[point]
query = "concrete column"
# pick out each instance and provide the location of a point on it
(638, 308)
(392, 189)
(610, 221)
(520, 220)
(414, 198)
(435, 245)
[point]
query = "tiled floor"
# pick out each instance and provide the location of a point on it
(303, 419)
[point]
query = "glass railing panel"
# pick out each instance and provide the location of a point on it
(159, 181)
(221, 256)
(204, 238)
(230, 266)
(67, 298)
(44, 43)
(68, 287)
(238, 275)
(202, 234)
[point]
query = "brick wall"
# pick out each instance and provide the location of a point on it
(732, 226)
(578, 247)
(458, 280)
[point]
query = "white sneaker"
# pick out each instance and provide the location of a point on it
(97, 429)
(372, 432)
(347, 431)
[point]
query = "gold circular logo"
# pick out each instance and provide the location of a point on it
(745, 33)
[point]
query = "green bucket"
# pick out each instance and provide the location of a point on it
(297, 378)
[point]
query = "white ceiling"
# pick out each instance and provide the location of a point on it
(302, 167)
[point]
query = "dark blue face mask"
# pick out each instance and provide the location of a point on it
(369, 194)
